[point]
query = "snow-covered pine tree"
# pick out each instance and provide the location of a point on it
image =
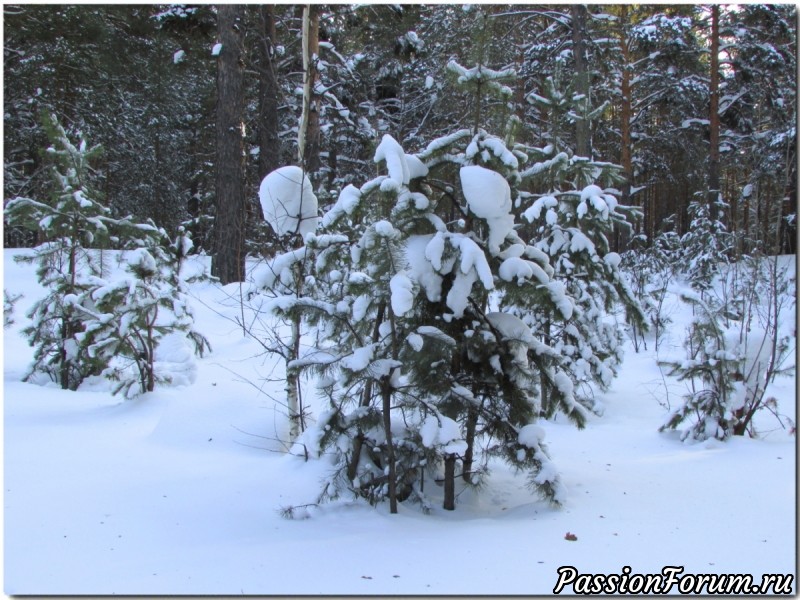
(70, 222)
(503, 364)
(415, 363)
(87, 324)
(713, 370)
(573, 219)
(707, 244)
(359, 299)
(650, 268)
(133, 315)
(735, 349)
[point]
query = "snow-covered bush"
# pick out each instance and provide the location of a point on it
(713, 370)
(735, 348)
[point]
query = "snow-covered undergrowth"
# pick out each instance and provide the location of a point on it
(180, 491)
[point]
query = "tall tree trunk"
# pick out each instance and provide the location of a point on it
(268, 90)
(788, 225)
(308, 131)
(713, 156)
(229, 225)
(626, 101)
(578, 14)
(626, 115)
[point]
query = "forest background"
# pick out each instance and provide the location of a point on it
(639, 87)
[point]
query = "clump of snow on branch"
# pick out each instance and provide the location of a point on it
(402, 167)
(485, 75)
(488, 196)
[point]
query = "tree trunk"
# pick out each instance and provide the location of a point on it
(308, 131)
(292, 379)
(713, 157)
(386, 394)
(626, 154)
(469, 453)
(229, 226)
(449, 482)
(268, 90)
(578, 13)
(626, 114)
(366, 399)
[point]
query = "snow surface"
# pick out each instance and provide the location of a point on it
(179, 491)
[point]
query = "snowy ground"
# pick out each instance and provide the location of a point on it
(179, 492)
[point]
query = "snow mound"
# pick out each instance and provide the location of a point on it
(442, 431)
(416, 168)
(602, 203)
(348, 201)
(531, 436)
(175, 360)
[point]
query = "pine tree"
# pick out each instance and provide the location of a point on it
(574, 220)
(134, 314)
(87, 322)
(72, 221)
(713, 368)
(735, 349)
(707, 245)
(415, 365)
(8, 308)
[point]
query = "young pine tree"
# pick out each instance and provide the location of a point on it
(87, 323)
(71, 222)
(573, 219)
(133, 315)
(417, 366)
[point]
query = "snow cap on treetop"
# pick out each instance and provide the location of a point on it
(288, 201)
